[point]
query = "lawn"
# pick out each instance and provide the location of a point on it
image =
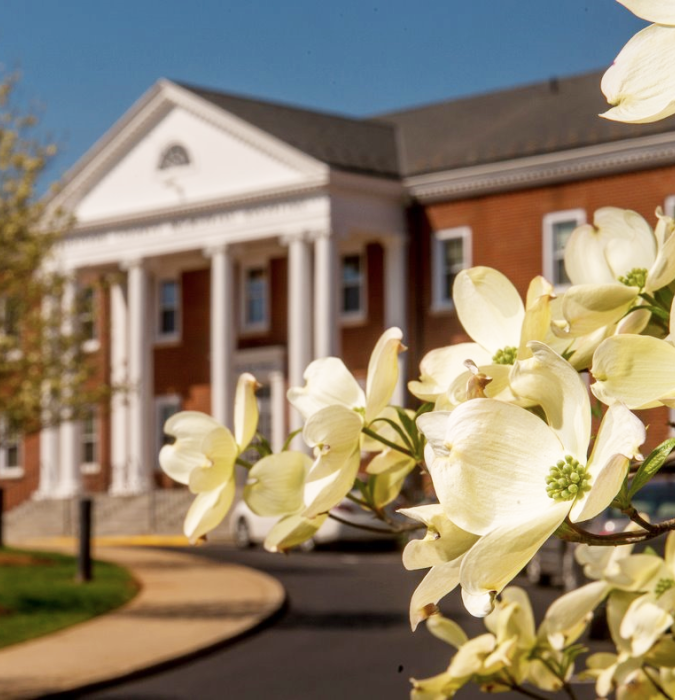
(39, 593)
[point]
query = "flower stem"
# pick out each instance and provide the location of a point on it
(388, 443)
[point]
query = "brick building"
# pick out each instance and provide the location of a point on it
(218, 234)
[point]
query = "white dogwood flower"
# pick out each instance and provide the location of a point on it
(204, 454)
(504, 474)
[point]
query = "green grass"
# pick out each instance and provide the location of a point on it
(39, 593)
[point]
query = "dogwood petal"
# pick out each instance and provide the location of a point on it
(640, 83)
(618, 241)
(245, 410)
(651, 10)
(327, 382)
(292, 531)
(551, 382)
(179, 462)
(443, 542)
(662, 272)
(446, 630)
(496, 559)
(498, 458)
(330, 479)
(588, 307)
(383, 372)
(489, 307)
(438, 582)
(275, 484)
(619, 438)
(441, 366)
(643, 624)
(189, 427)
(208, 510)
(221, 451)
(537, 321)
(573, 609)
(624, 370)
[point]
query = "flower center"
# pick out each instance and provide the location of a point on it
(637, 277)
(665, 584)
(505, 356)
(567, 480)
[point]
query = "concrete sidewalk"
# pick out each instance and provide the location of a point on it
(186, 604)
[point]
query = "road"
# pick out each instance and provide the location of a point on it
(345, 634)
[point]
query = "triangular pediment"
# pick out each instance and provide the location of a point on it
(175, 150)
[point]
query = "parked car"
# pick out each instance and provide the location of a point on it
(249, 529)
(555, 563)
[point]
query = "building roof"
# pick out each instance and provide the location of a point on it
(345, 143)
(547, 117)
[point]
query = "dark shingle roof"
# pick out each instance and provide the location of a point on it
(345, 143)
(537, 119)
(534, 119)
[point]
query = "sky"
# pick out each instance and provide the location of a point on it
(85, 62)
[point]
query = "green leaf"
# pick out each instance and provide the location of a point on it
(406, 440)
(289, 439)
(410, 427)
(424, 408)
(622, 499)
(651, 466)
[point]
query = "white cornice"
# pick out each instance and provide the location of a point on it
(203, 208)
(574, 164)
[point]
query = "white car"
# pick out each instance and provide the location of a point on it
(249, 529)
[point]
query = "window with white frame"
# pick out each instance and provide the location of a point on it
(165, 407)
(254, 296)
(10, 452)
(89, 445)
(353, 286)
(168, 309)
(450, 253)
(557, 228)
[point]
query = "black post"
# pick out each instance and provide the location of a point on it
(2, 516)
(84, 559)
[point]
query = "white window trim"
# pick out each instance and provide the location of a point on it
(173, 400)
(353, 318)
(438, 301)
(175, 336)
(264, 325)
(669, 206)
(549, 220)
(91, 467)
(15, 471)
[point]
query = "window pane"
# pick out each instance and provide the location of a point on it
(168, 307)
(255, 308)
(352, 284)
(452, 264)
(562, 230)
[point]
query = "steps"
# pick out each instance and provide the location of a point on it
(159, 512)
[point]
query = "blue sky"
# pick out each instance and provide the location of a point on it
(87, 61)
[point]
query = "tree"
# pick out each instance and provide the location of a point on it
(44, 374)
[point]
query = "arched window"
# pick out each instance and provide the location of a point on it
(172, 156)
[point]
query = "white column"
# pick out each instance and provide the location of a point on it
(140, 380)
(326, 330)
(222, 334)
(119, 405)
(299, 314)
(69, 481)
(395, 311)
(277, 409)
(49, 434)
(49, 462)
